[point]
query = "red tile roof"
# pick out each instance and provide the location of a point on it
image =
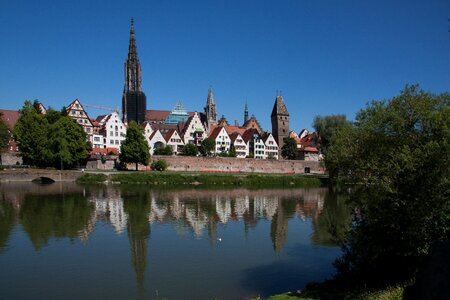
(213, 135)
(10, 118)
(104, 151)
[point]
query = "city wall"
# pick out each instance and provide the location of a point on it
(247, 165)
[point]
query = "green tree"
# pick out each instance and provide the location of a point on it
(327, 127)
(190, 150)
(4, 135)
(289, 149)
(207, 147)
(67, 143)
(30, 132)
(232, 151)
(398, 152)
(135, 148)
(167, 150)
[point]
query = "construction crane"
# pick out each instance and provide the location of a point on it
(117, 109)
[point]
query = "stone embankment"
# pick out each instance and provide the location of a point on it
(36, 174)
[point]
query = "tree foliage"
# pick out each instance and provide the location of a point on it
(49, 140)
(289, 149)
(207, 147)
(134, 148)
(4, 134)
(327, 127)
(159, 165)
(190, 150)
(167, 150)
(398, 152)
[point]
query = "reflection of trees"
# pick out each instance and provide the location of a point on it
(6, 222)
(48, 216)
(137, 207)
(333, 223)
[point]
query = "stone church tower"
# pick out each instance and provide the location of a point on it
(280, 121)
(210, 109)
(134, 102)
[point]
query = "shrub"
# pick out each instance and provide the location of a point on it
(159, 165)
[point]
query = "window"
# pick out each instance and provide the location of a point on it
(111, 133)
(111, 142)
(117, 142)
(88, 129)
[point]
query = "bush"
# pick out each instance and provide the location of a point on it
(159, 165)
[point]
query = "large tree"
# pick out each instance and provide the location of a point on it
(135, 148)
(4, 134)
(398, 152)
(327, 127)
(30, 133)
(289, 149)
(49, 140)
(67, 143)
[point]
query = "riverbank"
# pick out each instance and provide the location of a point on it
(176, 179)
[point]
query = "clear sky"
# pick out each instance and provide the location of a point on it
(327, 57)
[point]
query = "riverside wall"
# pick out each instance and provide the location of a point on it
(247, 165)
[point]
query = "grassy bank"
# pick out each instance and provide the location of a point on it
(206, 180)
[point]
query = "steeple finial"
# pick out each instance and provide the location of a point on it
(246, 111)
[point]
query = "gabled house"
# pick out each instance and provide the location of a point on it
(174, 140)
(113, 131)
(239, 145)
(221, 139)
(271, 146)
(194, 130)
(155, 141)
(255, 143)
(76, 111)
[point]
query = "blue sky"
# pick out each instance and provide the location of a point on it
(327, 57)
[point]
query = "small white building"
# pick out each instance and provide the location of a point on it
(113, 131)
(76, 111)
(221, 139)
(239, 144)
(271, 146)
(174, 140)
(194, 130)
(155, 141)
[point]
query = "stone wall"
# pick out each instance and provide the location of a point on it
(250, 165)
(11, 159)
(97, 163)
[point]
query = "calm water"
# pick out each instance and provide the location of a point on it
(63, 241)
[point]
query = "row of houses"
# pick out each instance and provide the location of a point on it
(107, 133)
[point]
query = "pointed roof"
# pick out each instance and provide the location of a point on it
(169, 134)
(210, 99)
(215, 133)
(279, 108)
(234, 136)
(248, 134)
(132, 49)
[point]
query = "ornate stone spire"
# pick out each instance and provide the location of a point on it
(210, 108)
(133, 80)
(134, 102)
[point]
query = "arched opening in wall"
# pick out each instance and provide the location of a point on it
(307, 170)
(43, 180)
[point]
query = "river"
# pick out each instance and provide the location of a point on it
(67, 241)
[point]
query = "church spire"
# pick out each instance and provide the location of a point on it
(246, 112)
(134, 102)
(210, 108)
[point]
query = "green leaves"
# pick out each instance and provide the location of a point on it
(49, 140)
(289, 149)
(398, 153)
(135, 148)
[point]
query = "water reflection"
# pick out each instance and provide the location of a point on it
(73, 212)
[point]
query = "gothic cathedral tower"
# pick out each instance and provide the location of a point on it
(280, 121)
(210, 109)
(134, 102)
